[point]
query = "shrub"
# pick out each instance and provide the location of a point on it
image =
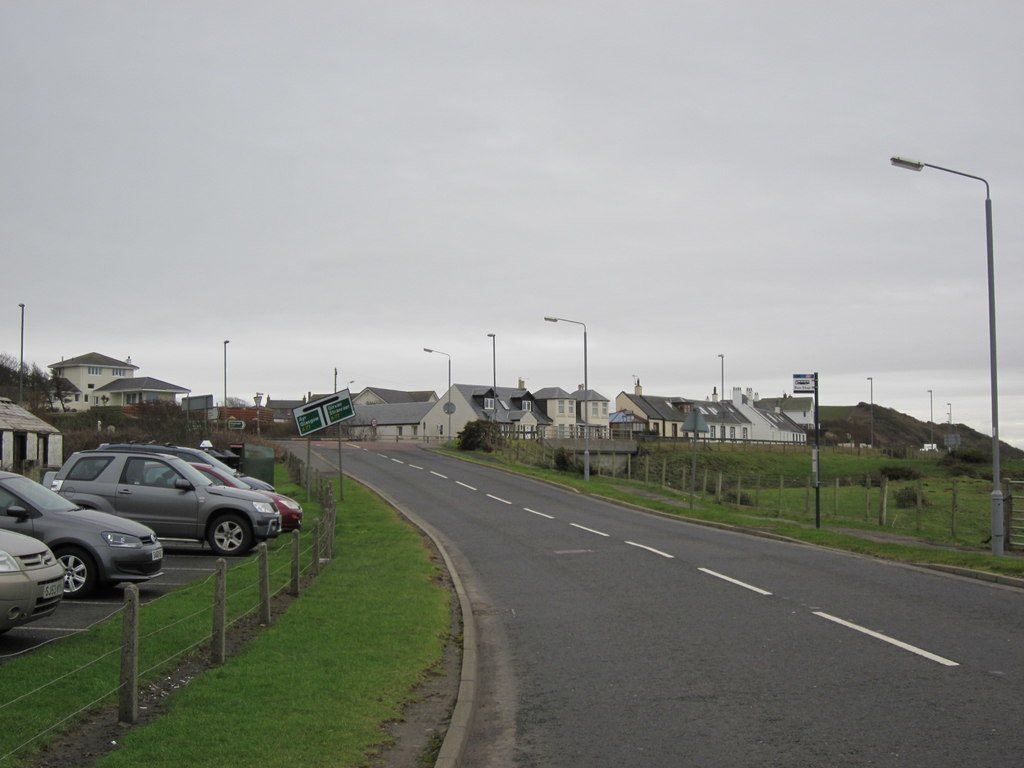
(906, 498)
(899, 472)
(480, 435)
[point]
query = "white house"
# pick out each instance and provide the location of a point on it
(93, 379)
(514, 408)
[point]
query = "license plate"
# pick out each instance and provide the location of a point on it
(158, 553)
(53, 589)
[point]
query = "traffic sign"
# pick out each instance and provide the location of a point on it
(804, 382)
(324, 412)
(236, 424)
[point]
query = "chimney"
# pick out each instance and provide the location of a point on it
(638, 390)
(522, 383)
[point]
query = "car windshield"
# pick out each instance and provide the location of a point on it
(35, 495)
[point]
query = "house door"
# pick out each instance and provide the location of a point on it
(20, 451)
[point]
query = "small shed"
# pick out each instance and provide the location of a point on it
(26, 441)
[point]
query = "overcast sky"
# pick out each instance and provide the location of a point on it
(340, 184)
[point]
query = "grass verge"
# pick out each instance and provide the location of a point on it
(313, 689)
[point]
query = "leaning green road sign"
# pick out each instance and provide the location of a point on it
(324, 412)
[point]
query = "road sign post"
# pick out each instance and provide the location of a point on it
(808, 382)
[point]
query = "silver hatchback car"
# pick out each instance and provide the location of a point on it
(95, 548)
(31, 580)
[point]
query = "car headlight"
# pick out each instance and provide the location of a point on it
(7, 563)
(264, 508)
(125, 540)
(292, 504)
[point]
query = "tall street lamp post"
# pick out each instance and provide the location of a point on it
(997, 486)
(448, 408)
(226, 342)
(721, 395)
(494, 374)
(586, 396)
(931, 417)
(871, 379)
(21, 359)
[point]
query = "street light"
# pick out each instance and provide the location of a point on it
(21, 359)
(931, 418)
(494, 374)
(997, 486)
(226, 342)
(872, 411)
(586, 396)
(448, 406)
(721, 395)
(258, 400)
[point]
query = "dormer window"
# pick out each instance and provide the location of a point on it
(527, 405)
(488, 403)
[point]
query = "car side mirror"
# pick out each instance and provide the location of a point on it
(183, 485)
(21, 513)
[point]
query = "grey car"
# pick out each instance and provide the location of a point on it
(31, 580)
(170, 496)
(93, 547)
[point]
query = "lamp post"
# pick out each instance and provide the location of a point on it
(997, 486)
(448, 408)
(871, 379)
(494, 374)
(258, 400)
(721, 395)
(586, 396)
(226, 342)
(21, 359)
(931, 418)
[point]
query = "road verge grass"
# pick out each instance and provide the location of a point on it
(316, 687)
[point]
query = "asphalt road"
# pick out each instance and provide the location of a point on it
(611, 638)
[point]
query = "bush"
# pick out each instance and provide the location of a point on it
(906, 498)
(565, 460)
(899, 472)
(480, 435)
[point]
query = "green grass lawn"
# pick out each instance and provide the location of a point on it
(313, 689)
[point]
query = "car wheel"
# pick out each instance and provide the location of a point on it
(80, 576)
(230, 535)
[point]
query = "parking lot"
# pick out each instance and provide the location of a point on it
(184, 562)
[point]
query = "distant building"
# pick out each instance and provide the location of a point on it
(91, 380)
(26, 440)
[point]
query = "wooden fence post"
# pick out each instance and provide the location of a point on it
(296, 566)
(782, 485)
(128, 694)
(867, 497)
(956, 505)
(218, 650)
(264, 570)
(835, 500)
(883, 502)
(316, 548)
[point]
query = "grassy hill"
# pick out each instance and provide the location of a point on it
(897, 431)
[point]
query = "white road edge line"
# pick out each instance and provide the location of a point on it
(737, 582)
(459, 482)
(498, 498)
(398, 461)
(887, 639)
(443, 477)
(588, 530)
(539, 514)
(651, 549)
(415, 466)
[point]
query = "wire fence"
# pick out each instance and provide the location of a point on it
(52, 687)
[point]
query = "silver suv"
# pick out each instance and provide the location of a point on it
(170, 496)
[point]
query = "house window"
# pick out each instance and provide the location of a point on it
(488, 403)
(744, 433)
(561, 406)
(95, 371)
(593, 409)
(119, 371)
(527, 405)
(85, 399)
(732, 433)
(712, 431)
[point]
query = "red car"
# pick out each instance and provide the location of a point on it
(290, 509)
